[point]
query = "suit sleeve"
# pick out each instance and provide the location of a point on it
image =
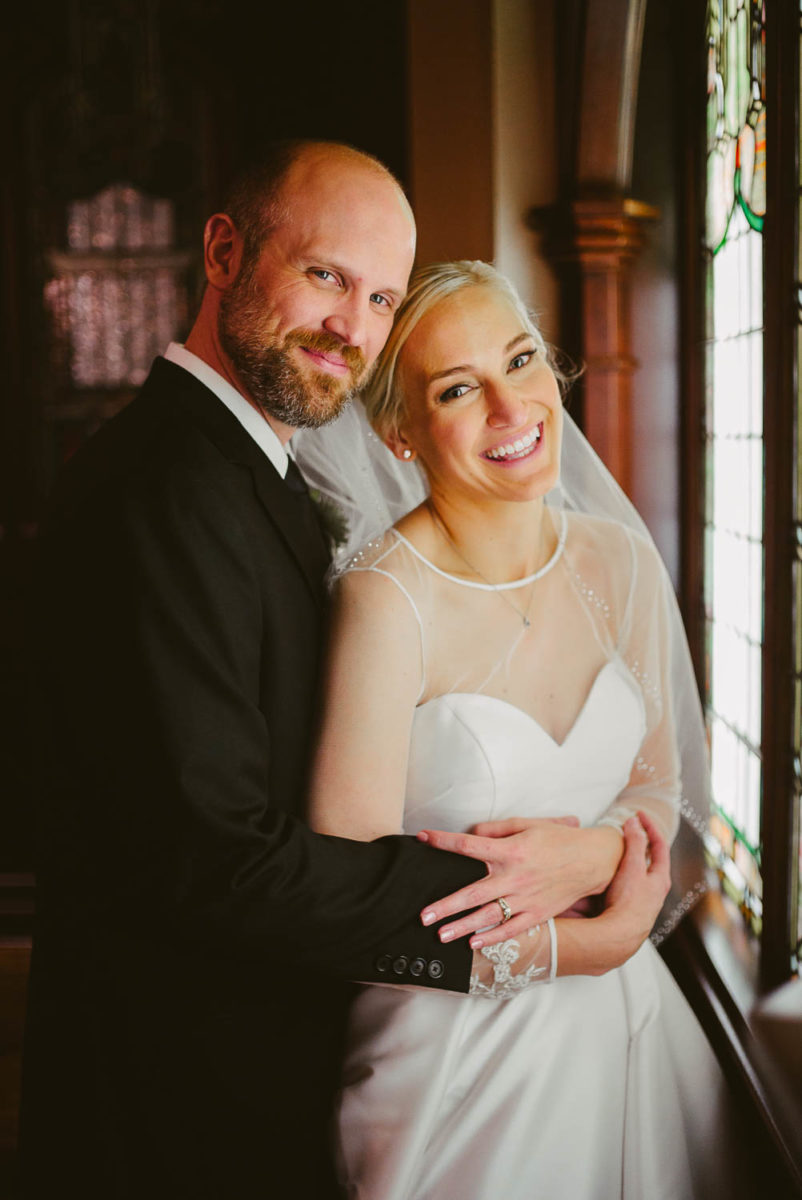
(156, 655)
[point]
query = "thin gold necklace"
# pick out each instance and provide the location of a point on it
(499, 589)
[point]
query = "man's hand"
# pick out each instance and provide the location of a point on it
(541, 867)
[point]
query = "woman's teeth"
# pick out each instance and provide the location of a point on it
(517, 449)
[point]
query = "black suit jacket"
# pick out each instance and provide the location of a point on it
(189, 974)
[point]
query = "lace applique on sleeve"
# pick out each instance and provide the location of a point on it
(517, 964)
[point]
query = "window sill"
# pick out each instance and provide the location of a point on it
(714, 959)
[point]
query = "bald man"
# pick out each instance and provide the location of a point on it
(185, 1014)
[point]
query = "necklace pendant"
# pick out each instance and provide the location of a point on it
(527, 622)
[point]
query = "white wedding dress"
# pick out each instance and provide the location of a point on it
(583, 1088)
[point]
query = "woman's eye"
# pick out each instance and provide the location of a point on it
(521, 360)
(453, 393)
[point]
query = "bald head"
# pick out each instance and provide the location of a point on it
(262, 196)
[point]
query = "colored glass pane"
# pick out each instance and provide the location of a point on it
(734, 485)
(736, 117)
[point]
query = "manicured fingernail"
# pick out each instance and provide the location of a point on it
(476, 943)
(428, 918)
(446, 935)
(423, 836)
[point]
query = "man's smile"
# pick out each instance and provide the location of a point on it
(334, 364)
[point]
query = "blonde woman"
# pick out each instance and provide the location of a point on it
(505, 653)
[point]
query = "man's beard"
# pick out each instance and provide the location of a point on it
(264, 363)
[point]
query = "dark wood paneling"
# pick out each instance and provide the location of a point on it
(778, 859)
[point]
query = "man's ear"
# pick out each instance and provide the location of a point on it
(222, 251)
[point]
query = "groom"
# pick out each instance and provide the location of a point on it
(185, 1015)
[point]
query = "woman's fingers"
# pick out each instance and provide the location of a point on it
(460, 843)
(466, 898)
(658, 846)
(500, 829)
(494, 853)
(480, 918)
(633, 868)
(500, 933)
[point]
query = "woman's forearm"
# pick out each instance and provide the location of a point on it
(604, 846)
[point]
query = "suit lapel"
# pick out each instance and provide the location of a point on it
(292, 513)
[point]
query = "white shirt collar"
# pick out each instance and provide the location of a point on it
(253, 422)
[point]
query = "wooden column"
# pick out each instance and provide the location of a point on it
(596, 230)
(605, 236)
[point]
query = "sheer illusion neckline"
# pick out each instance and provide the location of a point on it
(493, 587)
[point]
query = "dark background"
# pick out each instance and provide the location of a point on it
(172, 98)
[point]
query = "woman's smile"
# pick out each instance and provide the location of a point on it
(516, 449)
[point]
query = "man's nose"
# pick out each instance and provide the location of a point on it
(349, 319)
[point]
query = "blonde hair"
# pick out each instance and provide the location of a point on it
(383, 396)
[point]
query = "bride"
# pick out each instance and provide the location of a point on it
(505, 651)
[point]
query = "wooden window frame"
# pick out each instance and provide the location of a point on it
(723, 969)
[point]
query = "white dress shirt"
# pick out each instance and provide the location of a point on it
(252, 421)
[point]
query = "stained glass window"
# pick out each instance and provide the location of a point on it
(118, 294)
(735, 213)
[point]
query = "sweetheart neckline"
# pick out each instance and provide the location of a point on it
(483, 696)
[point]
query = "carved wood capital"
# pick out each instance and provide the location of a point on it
(595, 239)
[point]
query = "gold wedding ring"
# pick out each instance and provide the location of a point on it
(506, 911)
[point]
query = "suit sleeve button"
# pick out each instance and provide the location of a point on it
(436, 970)
(417, 966)
(383, 963)
(400, 965)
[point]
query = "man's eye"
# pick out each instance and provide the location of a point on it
(323, 274)
(382, 301)
(453, 393)
(521, 360)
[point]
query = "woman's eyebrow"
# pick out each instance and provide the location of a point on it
(519, 337)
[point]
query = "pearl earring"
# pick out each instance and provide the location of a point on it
(407, 453)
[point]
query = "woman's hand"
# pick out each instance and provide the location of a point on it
(631, 906)
(540, 866)
(596, 944)
(633, 900)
